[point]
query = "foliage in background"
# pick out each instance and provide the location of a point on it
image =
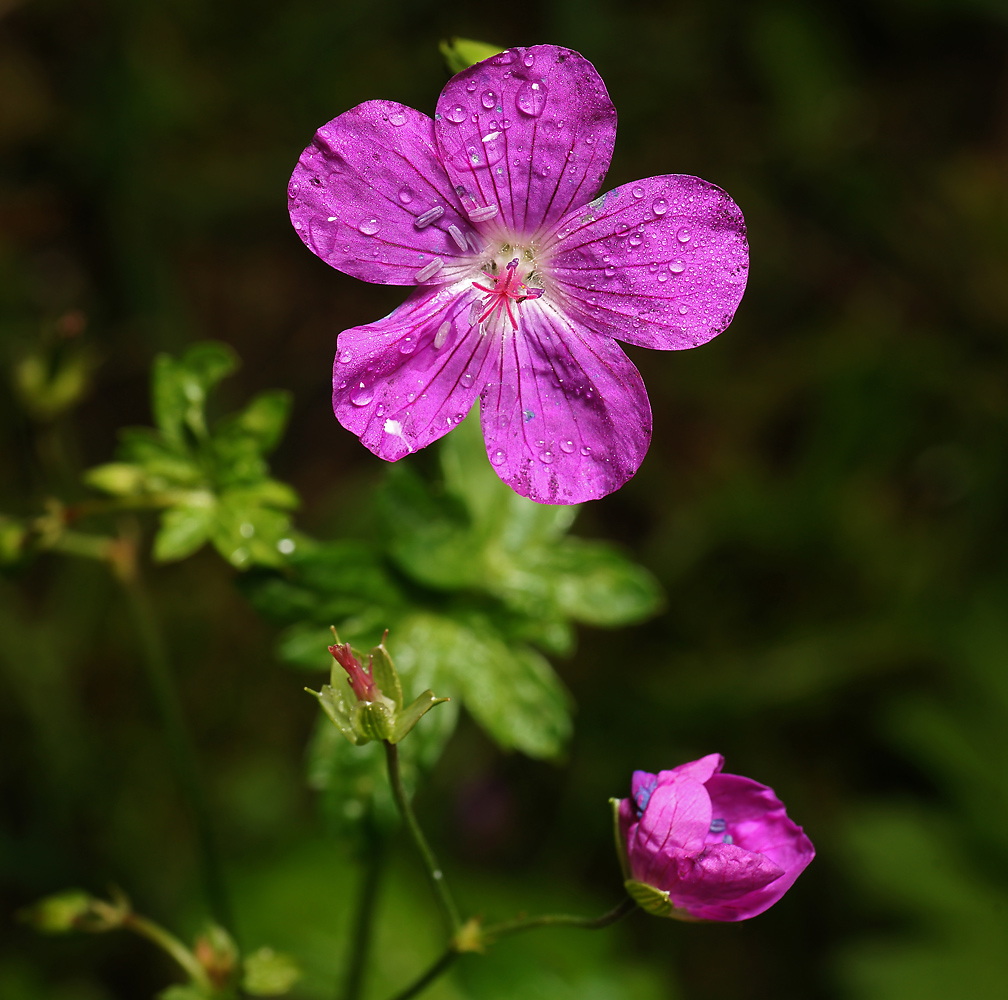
(823, 502)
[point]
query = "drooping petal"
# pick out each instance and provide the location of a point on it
(408, 379)
(698, 770)
(724, 882)
(662, 262)
(757, 821)
(530, 131)
(565, 415)
(371, 198)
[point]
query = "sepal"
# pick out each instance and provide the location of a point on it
(655, 901)
(621, 852)
(412, 713)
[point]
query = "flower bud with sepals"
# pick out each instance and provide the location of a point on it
(373, 708)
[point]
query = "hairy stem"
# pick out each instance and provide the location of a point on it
(494, 931)
(180, 746)
(363, 925)
(437, 969)
(170, 944)
(444, 897)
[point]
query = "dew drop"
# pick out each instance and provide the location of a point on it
(585, 450)
(379, 410)
(286, 546)
(567, 447)
(397, 118)
(683, 235)
(369, 226)
(292, 189)
(246, 529)
(407, 345)
(489, 99)
(456, 114)
(546, 457)
(466, 380)
(498, 456)
(345, 356)
(659, 207)
(610, 270)
(471, 86)
(362, 395)
(636, 240)
(405, 194)
(529, 59)
(677, 267)
(531, 98)
(662, 278)
(638, 192)
(683, 309)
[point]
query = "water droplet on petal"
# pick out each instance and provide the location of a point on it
(683, 235)
(660, 207)
(369, 226)
(529, 59)
(531, 98)
(407, 345)
(471, 86)
(610, 270)
(489, 99)
(663, 277)
(405, 194)
(636, 240)
(362, 395)
(456, 114)
(466, 380)
(345, 356)
(567, 447)
(677, 267)
(638, 192)
(585, 450)
(497, 457)
(683, 309)
(292, 189)
(546, 457)
(397, 118)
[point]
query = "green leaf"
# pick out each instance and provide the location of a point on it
(117, 478)
(262, 421)
(183, 530)
(267, 973)
(512, 692)
(245, 534)
(186, 992)
(179, 387)
(461, 53)
(58, 913)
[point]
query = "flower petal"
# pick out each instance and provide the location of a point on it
(758, 822)
(677, 817)
(662, 261)
(565, 415)
(363, 193)
(530, 131)
(408, 379)
(698, 770)
(724, 882)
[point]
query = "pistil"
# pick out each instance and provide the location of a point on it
(506, 288)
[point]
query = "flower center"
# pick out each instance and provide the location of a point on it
(504, 290)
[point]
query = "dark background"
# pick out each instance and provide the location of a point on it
(823, 499)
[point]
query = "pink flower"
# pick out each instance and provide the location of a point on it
(715, 846)
(522, 283)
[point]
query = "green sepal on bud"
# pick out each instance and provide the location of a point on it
(461, 53)
(217, 953)
(367, 703)
(268, 973)
(656, 901)
(624, 861)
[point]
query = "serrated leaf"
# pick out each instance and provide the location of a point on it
(512, 692)
(183, 530)
(266, 973)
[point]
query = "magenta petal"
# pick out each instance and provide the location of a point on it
(362, 192)
(677, 816)
(662, 261)
(408, 379)
(530, 131)
(758, 822)
(723, 882)
(565, 414)
(698, 770)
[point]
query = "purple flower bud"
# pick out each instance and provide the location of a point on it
(714, 846)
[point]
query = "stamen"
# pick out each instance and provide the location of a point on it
(507, 290)
(429, 269)
(429, 216)
(717, 826)
(483, 214)
(442, 335)
(456, 235)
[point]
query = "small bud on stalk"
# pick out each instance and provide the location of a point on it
(373, 707)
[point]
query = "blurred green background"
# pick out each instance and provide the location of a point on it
(823, 501)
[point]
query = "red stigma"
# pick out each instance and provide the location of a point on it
(507, 289)
(363, 686)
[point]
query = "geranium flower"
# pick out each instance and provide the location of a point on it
(701, 845)
(523, 283)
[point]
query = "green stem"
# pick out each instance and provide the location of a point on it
(180, 745)
(439, 967)
(495, 931)
(444, 897)
(167, 942)
(364, 916)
